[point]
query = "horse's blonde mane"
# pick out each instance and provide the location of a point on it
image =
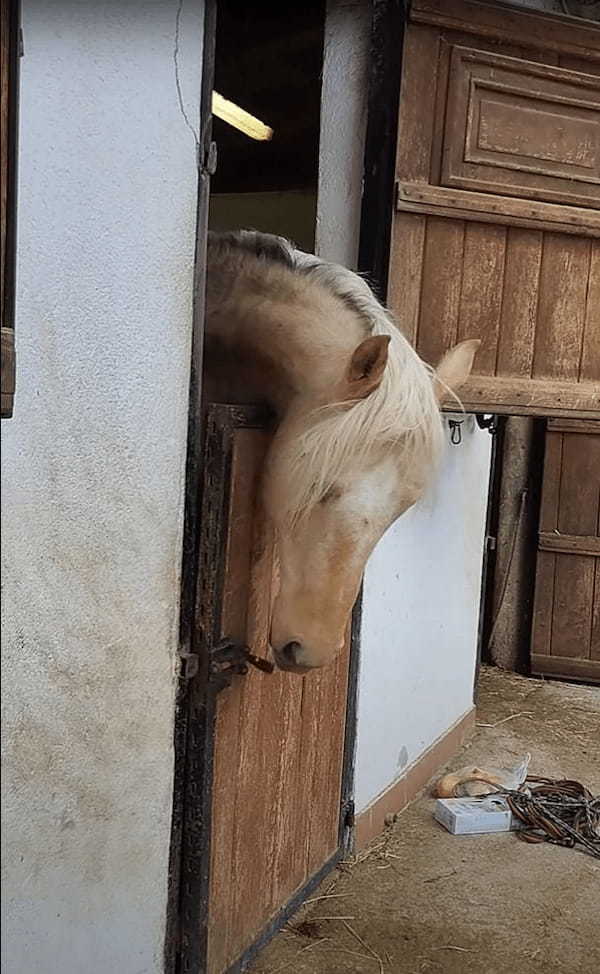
(401, 416)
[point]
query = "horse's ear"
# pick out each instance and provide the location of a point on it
(367, 366)
(455, 368)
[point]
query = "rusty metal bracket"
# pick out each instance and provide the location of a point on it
(490, 424)
(229, 657)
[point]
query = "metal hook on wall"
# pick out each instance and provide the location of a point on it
(455, 431)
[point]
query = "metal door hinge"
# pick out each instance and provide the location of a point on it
(349, 816)
(209, 159)
(490, 542)
(189, 665)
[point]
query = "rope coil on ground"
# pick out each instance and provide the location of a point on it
(562, 812)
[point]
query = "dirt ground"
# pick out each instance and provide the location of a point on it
(421, 901)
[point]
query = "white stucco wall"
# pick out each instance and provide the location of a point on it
(344, 101)
(420, 618)
(92, 482)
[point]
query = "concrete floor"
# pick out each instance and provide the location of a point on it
(421, 901)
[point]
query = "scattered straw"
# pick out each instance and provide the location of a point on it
(522, 713)
(325, 896)
(355, 953)
(364, 944)
(302, 950)
(318, 919)
(463, 950)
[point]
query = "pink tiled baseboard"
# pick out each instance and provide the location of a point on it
(372, 821)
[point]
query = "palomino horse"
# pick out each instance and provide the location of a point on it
(359, 427)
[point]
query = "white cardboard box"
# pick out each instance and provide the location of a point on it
(466, 816)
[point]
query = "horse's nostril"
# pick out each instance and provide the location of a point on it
(288, 653)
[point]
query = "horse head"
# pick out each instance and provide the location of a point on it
(325, 538)
(359, 432)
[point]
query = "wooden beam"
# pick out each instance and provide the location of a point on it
(566, 667)
(569, 543)
(529, 397)
(490, 208)
(501, 22)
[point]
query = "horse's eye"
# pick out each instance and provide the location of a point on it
(333, 494)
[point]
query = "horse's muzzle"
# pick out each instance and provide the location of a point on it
(287, 658)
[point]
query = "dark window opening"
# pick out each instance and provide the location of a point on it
(269, 62)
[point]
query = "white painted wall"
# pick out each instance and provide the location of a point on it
(420, 618)
(92, 488)
(344, 99)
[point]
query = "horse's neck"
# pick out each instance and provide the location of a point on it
(263, 347)
(237, 374)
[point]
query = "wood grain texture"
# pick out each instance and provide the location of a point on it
(519, 302)
(481, 293)
(279, 744)
(417, 101)
(531, 397)
(590, 353)
(574, 63)
(566, 615)
(521, 128)
(595, 636)
(569, 543)
(523, 275)
(579, 485)
(406, 269)
(551, 489)
(565, 668)
(462, 204)
(440, 288)
(541, 633)
(572, 609)
(562, 35)
(249, 449)
(567, 424)
(561, 307)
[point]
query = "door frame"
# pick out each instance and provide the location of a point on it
(187, 914)
(193, 473)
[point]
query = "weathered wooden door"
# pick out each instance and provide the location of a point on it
(269, 759)
(497, 216)
(496, 236)
(566, 625)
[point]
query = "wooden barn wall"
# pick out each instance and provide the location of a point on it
(520, 271)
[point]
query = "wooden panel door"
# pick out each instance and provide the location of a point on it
(520, 128)
(497, 224)
(269, 816)
(566, 624)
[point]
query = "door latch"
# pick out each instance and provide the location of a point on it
(229, 657)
